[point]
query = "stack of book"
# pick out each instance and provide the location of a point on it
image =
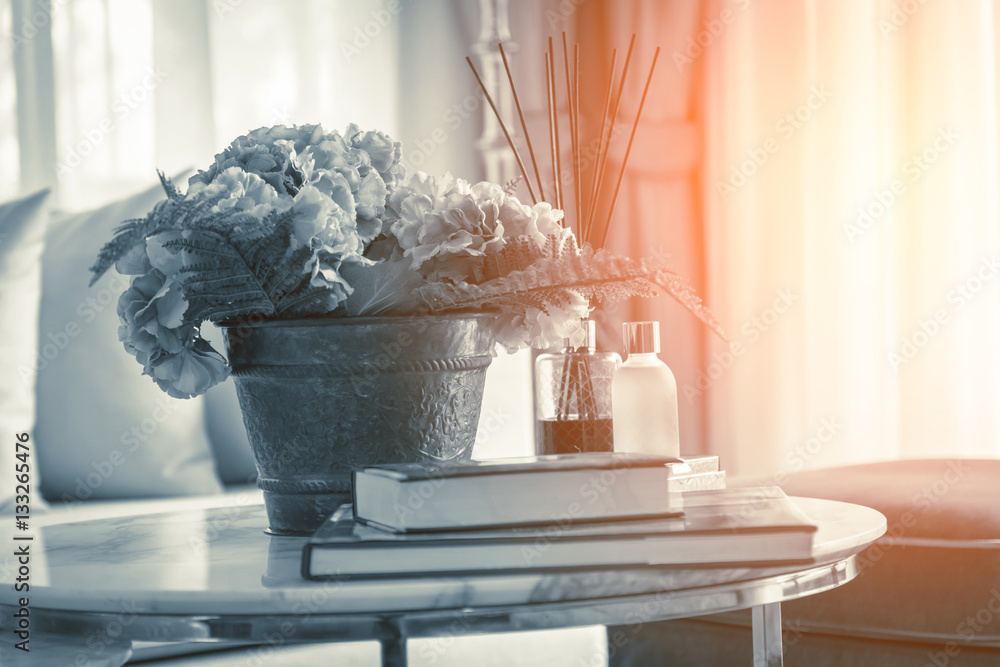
(571, 511)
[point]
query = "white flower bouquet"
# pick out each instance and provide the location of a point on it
(293, 222)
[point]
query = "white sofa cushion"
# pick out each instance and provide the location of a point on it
(22, 229)
(234, 461)
(103, 429)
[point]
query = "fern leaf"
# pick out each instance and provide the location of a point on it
(312, 300)
(263, 254)
(201, 246)
(510, 187)
(226, 266)
(167, 214)
(286, 276)
(222, 286)
(168, 186)
(115, 249)
(384, 288)
(228, 286)
(596, 275)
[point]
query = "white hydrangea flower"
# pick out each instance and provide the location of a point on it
(242, 191)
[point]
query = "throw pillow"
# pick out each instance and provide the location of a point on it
(224, 421)
(22, 229)
(105, 430)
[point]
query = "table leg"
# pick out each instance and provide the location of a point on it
(767, 651)
(394, 652)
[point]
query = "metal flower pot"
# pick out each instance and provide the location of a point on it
(321, 397)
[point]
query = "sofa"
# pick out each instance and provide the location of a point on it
(927, 595)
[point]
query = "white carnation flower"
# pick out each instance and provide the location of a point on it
(242, 191)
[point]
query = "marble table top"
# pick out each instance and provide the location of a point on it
(217, 560)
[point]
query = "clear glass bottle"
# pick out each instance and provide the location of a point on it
(573, 397)
(644, 396)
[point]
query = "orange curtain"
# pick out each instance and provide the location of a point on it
(838, 204)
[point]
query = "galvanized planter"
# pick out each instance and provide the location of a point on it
(321, 397)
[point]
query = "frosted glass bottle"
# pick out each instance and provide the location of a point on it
(644, 396)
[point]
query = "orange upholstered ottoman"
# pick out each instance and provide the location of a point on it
(928, 593)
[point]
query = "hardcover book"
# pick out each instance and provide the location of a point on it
(758, 526)
(534, 490)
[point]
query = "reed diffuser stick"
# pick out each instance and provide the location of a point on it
(628, 148)
(506, 133)
(577, 166)
(554, 112)
(524, 126)
(600, 145)
(611, 130)
(572, 133)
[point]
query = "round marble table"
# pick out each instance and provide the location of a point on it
(212, 574)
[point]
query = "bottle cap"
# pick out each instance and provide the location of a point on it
(641, 337)
(584, 338)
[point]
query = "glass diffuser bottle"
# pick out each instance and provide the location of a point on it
(573, 397)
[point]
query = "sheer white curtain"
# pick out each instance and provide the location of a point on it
(107, 91)
(96, 95)
(147, 84)
(851, 193)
